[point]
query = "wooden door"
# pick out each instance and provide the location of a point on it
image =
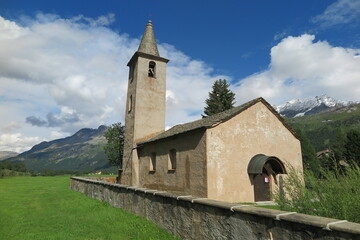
(262, 187)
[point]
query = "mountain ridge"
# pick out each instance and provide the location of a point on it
(82, 151)
(326, 128)
(309, 106)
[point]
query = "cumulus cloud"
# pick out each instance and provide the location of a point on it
(340, 12)
(16, 142)
(65, 74)
(60, 75)
(302, 67)
(81, 63)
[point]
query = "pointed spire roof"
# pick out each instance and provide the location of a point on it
(147, 48)
(148, 41)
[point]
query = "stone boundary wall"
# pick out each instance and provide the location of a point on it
(200, 218)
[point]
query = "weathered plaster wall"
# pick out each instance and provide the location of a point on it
(150, 100)
(193, 218)
(189, 177)
(147, 97)
(233, 143)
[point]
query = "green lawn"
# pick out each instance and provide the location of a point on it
(45, 208)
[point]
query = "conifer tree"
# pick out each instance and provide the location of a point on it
(220, 98)
(114, 147)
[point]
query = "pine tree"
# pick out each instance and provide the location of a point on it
(220, 98)
(114, 147)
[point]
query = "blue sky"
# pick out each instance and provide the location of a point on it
(63, 63)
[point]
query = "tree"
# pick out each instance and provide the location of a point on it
(114, 147)
(352, 146)
(338, 145)
(220, 98)
(310, 160)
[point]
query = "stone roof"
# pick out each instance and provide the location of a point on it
(148, 41)
(214, 120)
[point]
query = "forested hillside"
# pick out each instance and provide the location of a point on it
(325, 129)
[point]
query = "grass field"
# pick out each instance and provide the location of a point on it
(45, 208)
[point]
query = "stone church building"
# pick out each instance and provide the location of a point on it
(239, 155)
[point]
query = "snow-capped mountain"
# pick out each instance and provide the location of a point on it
(297, 108)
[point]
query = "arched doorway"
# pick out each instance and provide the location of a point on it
(263, 170)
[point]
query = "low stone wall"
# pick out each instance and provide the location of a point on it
(199, 218)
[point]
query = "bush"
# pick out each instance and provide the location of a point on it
(335, 195)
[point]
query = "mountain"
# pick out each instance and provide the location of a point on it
(296, 108)
(326, 128)
(7, 154)
(83, 151)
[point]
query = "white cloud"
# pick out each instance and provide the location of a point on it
(340, 12)
(16, 142)
(301, 67)
(11, 126)
(59, 75)
(57, 135)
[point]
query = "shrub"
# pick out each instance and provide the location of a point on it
(335, 195)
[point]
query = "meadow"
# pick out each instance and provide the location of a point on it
(45, 208)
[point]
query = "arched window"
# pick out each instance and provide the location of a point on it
(152, 69)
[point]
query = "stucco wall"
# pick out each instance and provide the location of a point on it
(193, 218)
(150, 100)
(233, 143)
(147, 115)
(189, 177)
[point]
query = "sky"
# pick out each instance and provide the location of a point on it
(63, 63)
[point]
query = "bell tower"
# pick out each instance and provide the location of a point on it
(145, 104)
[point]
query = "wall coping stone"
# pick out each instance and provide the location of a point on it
(183, 196)
(329, 224)
(349, 227)
(141, 190)
(315, 221)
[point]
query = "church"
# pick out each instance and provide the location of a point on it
(239, 155)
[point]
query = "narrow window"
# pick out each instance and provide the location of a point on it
(130, 104)
(152, 69)
(172, 160)
(131, 73)
(152, 162)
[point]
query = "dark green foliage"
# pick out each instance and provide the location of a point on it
(15, 166)
(114, 147)
(220, 98)
(310, 160)
(345, 149)
(352, 146)
(337, 145)
(8, 168)
(335, 195)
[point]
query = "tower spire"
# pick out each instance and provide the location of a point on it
(148, 41)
